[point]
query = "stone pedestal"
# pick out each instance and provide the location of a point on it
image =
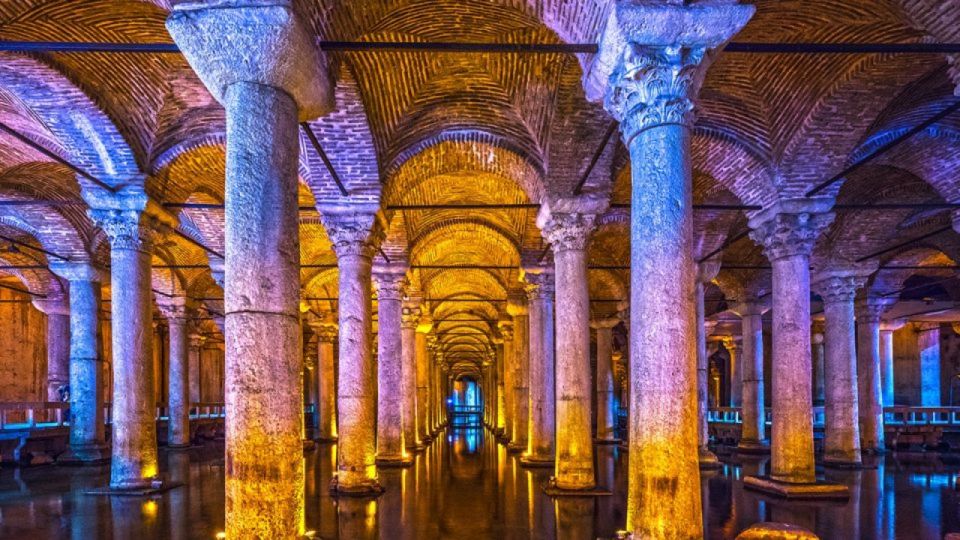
(787, 231)
(566, 225)
(753, 438)
(355, 233)
(178, 403)
(649, 70)
(87, 438)
(517, 308)
(868, 312)
(410, 318)
(540, 435)
(391, 451)
(260, 61)
(606, 405)
(837, 288)
(131, 232)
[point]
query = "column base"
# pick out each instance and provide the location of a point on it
(516, 447)
(84, 456)
(607, 441)
(789, 490)
(537, 462)
(841, 464)
(136, 489)
(708, 460)
(326, 440)
(416, 448)
(551, 489)
(753, 447)
(369, 489)
(394, 462)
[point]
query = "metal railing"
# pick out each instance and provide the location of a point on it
(21, 415)
(892, 416)
(732, 415)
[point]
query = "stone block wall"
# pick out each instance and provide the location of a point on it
(23, 349)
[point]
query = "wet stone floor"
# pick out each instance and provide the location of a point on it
(465, 486)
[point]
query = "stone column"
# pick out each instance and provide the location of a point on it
(736, 386)
(517, 308)
(177, 314)
(753, 437)
(817, 354)
(355, 233)
(887, 328)
(57, 310)
(390, 434)
(423, 377)
(566, 225)
(501, 407)
(509, 374)
(196, 344)
(326, 331)
(409, 318)
(131, 233)
(606, 415)
(87, 437)
(928, 343)
(649, 70)
(541, 425)
(787, 231)
(869, 384)
(705, 273)
(841, 442)
(271, 77)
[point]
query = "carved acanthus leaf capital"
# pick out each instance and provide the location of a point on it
(566, 232)
(506, 330)
(175, 310)
(127, 229)
(389, 283)
(539, 284)
(791, 227)
(352, 233)
(872, 308)
(410, 316)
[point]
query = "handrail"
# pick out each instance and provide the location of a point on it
(900, 415)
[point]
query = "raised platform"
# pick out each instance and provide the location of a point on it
(804, 491)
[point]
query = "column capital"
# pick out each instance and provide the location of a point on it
(651, 59)
(791, 227)
(607, 323)
(78, 271)
(892, 325)
(517, 303)
(506, 330)
(410, 316)
(352, 229)
(267, 43)
(841, 283)
(707, 271)
(538, 283)
(872, 308)
(175, 310)
(130, 218)
(325, 331)
(926, 326)
(749, 308)
(389, 280)
(730, 342)
(197, 340)
(426, 323)
(709, 327)
(566, 224)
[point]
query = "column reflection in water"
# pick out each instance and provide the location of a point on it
(178, 469)
(326, 465)
(357, 518)
(574, 517)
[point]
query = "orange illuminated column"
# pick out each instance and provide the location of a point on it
(517, 308)
(566, 225)
(326, 330)
(390, 441)
(423, 376)
(509, 374)
(272, 77)
(606, 415)
(500, 405)
(540, 438)
(410, 317)
(648, 72)
(355, 232)
(788, 231)
(868, 313)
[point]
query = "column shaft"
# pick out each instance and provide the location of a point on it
(390, 441)
(841, 444)
(178, 403)
(869, 384)
(606, 415)
(263, 384)
(509, 379)
(326, 365)
(928, 343)
(423, 379)
(886, 366)
(408, 370)
(707, 459)
(753, 434)
(540, 438)
(58, 353)
(736, 386)
(521, 379)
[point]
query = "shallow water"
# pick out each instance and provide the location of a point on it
(465, 486)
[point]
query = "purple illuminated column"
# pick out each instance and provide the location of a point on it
(753, 437)
(410, 317)
(178, 403)
(887, 328)
(705, 273)
(868, 313)
(57, 309)
(390, 432)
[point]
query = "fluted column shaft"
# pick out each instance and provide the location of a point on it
(390, 433)
(606, 415)
(134, 452)
(567, 233)
(410, 317)
(540, 434)
(787, 232)
(351, 233)
(87, 438)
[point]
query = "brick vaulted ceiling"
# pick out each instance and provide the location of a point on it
(427, 128)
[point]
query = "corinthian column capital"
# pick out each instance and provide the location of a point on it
(130, 219)
(267, 43)
(566, 224)
(651, 59)
(175, 310)
(353, 229)
(840, 284)
(390, 280)
(791, 227)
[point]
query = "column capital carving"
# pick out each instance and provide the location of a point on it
(892, 325)
(410, 316)
(749, 308)
(197, 340)
(566, 223)
(872, 308)
(175, 310)
(325, 330)
(841, 283)
(228, 42)
(506, 330)
(926, 326)
(517, 303)
(426, 324)
(390, 281)
(538, 283)
(130, 219)
(709, 327)
(791, 227)
(352, 229)
(651, 59)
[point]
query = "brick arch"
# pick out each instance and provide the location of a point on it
(38, 281)
(736, 166)
(166, 281)
(85, 134)
(886, 282)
